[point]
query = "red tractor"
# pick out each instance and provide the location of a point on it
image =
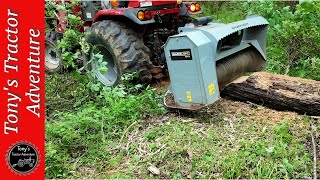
(129, 34)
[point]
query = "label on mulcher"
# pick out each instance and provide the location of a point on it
(181, 54)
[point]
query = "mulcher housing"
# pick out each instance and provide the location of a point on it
(203, 59)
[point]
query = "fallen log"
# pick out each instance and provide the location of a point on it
(277, 92)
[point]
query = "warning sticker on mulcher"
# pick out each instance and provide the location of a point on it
(181, 54)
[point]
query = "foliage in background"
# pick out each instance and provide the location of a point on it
(293, 39)
(223, 11)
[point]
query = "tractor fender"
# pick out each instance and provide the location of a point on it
(129, 13)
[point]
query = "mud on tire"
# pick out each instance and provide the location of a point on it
(122, 48)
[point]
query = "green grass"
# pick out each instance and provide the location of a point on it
(113, 137)
(193, 150)
(64, 92)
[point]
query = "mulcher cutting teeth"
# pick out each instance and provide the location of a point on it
(231, 67)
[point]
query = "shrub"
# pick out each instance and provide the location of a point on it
(293, 38)
(94, 123)
(69, 45)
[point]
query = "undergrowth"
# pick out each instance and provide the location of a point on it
(72, 46)
(83, 133)
(196, 150)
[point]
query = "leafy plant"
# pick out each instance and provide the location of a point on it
(101, 118)
(293, 38)
(72, 42)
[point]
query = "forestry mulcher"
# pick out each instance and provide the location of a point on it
(151, 37)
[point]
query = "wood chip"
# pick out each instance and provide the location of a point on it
(154, 170)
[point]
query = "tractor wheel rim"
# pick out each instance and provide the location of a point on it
(52, 57)
(110, 77)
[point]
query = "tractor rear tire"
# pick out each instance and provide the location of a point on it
(52, 54)
(123, 50)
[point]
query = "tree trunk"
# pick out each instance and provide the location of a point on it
(278, 92)
(292, 5)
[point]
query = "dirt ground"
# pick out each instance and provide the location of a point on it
(233, 111)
